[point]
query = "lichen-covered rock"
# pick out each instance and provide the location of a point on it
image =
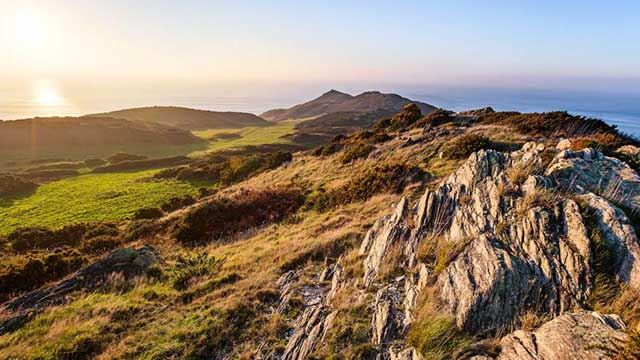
(387, 319)
(581, 335)
(385, 232)
(618, 232)
(589, 170)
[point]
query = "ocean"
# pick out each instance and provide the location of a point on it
(622, 110)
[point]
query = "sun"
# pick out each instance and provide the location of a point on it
(46, 93)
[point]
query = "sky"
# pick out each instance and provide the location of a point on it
(83, 46)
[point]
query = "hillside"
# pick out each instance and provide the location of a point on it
(189, 119)
(83, 137)
(335, 101)
(479, 235)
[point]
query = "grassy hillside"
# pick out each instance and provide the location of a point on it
(246, 136)
(185, 118)
(88, 198)
(80, 138)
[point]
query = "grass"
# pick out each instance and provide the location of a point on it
(248, 136)
(89, 198)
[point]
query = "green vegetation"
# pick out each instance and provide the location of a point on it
(248, 136)
(90, 198)
(465, 145)
(190, 266)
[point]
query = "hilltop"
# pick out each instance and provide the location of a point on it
(186, 118)
(478, 235)
(334, 101)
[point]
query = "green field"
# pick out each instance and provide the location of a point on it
(91, 197)
(249, 136)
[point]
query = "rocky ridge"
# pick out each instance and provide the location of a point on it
(518, 244)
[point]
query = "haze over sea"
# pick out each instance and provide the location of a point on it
(622, 110)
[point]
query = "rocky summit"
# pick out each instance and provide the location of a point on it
(474, 235)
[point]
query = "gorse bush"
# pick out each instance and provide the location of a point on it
(148, 213)
(224, 216)
(41, 238)
(176, 203)
(190, 266)
(465, 145)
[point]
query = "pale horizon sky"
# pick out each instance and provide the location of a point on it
(68, 49)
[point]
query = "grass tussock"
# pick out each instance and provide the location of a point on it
(191, 266)
(434, 334)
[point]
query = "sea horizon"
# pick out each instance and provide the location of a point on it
(622, 110)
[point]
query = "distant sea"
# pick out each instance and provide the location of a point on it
(618, 109)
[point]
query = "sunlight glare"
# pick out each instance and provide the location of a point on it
(46, 93)
(29, 29)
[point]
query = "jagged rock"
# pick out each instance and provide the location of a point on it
(477, 112)
(387, 318)
(582, 335)
(564, 144)
(384, 233)
(589, 170)
(412, 287)
(618, 232)
(406, 354)
(630, 150)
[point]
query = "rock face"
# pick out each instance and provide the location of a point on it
(516, 246)
(581, 335)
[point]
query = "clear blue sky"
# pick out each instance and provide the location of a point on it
(543, 43)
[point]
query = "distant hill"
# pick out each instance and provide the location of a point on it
(335, 101)
(185, 118)
(80, 137)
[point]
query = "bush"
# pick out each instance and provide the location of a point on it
(465, 145)
(148, 213)
(224, 216)
(356, 151)
(176, 203)
(31, 238)
(11, 185)
(38, 269)
(436, 118)
(100, 244)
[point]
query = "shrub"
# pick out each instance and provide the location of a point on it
(100, 244)
(176, 203)
(436, 118)
(190, 266)
(356, 151)
(11, 185)
(31, 238)
(38, 269)
(408, 116)
(465, 145)
(148, 213)
(224, 216)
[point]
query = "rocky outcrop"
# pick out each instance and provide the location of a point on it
(311, 326)
(581, 335)
(589, 170)
(517, 245)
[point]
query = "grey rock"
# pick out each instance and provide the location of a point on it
(581, 335)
